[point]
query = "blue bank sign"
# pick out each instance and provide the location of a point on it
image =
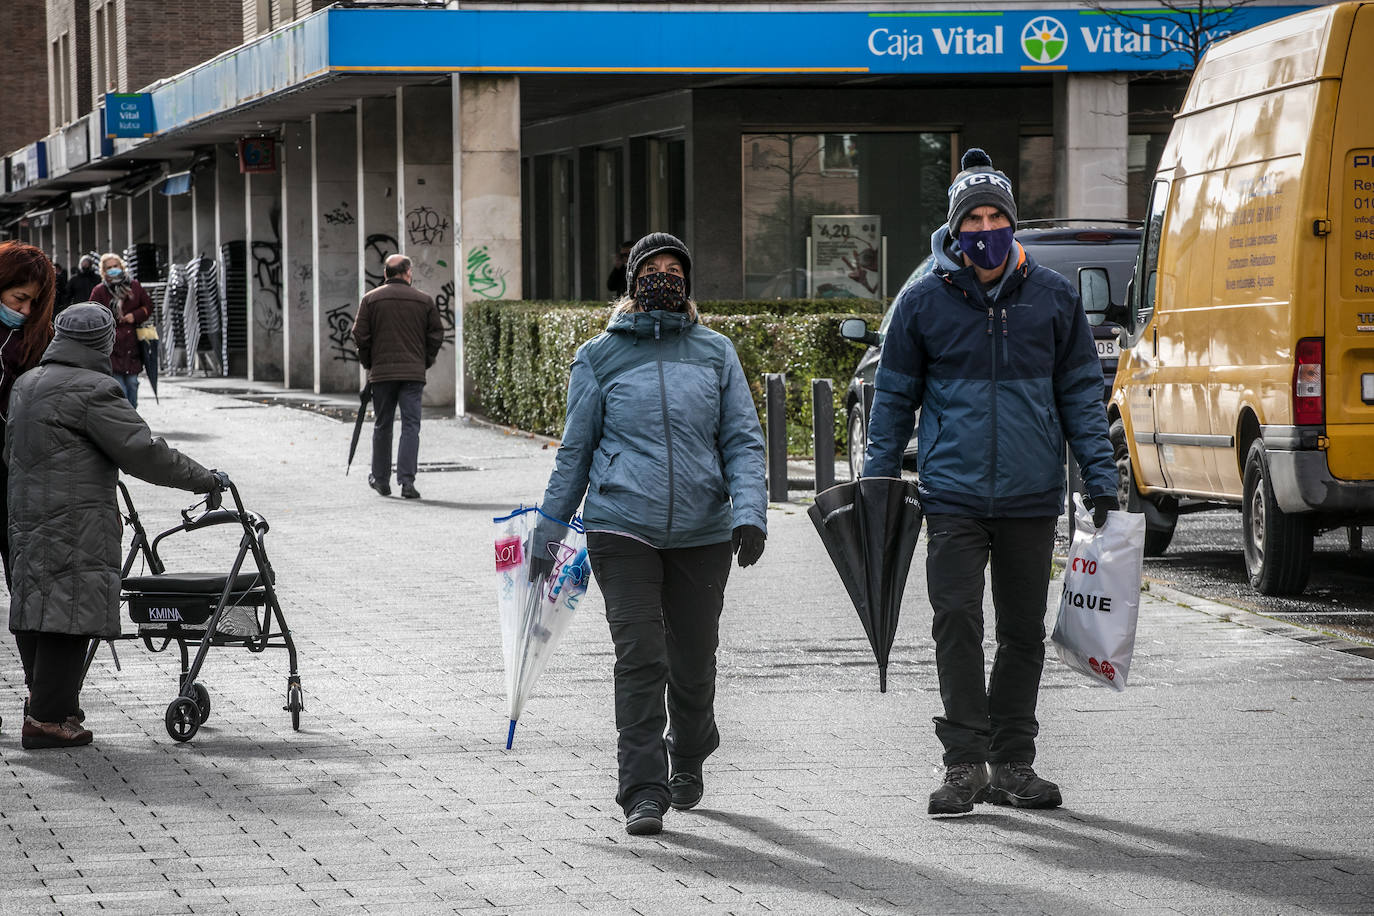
(714, 41)
(129, 114)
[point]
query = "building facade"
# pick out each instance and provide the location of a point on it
(510, 148)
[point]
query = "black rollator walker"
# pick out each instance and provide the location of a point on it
(204, 609)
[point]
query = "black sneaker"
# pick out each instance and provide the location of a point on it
(381, 487)
(644, 819)
(409, 492)
(1017, 785)
(686, 788)
(965, 784)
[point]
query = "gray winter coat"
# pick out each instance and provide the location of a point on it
(661, 435)
(71, 431)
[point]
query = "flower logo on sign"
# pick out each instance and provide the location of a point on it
(1044, 39)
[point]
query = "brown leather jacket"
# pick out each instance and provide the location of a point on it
(398, 332)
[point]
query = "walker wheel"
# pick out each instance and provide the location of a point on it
(202, 698)
(183, 719)
(295, 702)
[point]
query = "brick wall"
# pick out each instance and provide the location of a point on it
(203, 29)
(71, 17)
(24, 75)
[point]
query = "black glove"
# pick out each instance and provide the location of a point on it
(213, 499)
(1101, 506)
(747, 543)
(541, 562)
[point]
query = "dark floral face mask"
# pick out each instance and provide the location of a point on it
(661, 292)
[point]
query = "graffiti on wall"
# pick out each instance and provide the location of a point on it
(267, 287)
(339, 321)
(340, 215)
(425, 226)
(484, 278)
(376, 250)
(444, 300)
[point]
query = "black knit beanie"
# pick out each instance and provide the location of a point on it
(652, 244)
(978, 184)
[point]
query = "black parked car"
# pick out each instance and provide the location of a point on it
(1067, 246)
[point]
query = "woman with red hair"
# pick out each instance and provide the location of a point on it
(28, 287)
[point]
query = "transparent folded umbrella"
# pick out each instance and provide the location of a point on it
(535, 614)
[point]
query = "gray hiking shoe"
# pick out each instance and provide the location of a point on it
(964, 785)
(1017, 785)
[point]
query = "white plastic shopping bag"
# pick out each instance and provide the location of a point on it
(1095, 632)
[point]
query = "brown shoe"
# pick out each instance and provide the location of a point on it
(37, 735)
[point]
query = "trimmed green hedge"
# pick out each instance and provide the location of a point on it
(519, 355)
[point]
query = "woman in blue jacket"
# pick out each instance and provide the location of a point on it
(663, 439)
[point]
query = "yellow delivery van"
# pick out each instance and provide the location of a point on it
(1249, 378)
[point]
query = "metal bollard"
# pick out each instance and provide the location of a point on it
(775, 411)
(823, 429)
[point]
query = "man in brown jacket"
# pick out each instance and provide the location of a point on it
(399, 334)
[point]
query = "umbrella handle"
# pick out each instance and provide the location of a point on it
(510, 735)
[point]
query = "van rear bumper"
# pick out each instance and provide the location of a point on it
(1301, 480)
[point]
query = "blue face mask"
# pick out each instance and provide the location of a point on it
(988, 248)
(9, 317)
(114, 273)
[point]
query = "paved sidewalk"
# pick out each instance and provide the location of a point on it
(1232, 777)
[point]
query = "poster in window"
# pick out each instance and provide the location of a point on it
(846, 257)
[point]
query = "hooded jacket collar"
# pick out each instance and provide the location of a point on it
(655, 325)
(67, 352)
(949, 264)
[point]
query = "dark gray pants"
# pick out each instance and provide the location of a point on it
(992, 721)
(385, 397)
(53, 666)
(663, 607)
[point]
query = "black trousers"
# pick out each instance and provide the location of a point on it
(993, 721)
(52, 670)
(663, 607)
(385, 398)
(5, 514)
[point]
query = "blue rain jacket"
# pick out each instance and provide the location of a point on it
(1001, 379)
(661, 435)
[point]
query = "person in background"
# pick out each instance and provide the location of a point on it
(28, 290)
(82, 283)
(71, 431)
(617, 283)
(996, 353)
(663, 439)
(131, 306)
(399, 334)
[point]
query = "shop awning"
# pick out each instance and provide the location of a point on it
(85, 203)
(176, 183)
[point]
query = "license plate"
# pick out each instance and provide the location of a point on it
(1107, 348)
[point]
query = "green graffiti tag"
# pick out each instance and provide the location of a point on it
(484, 279)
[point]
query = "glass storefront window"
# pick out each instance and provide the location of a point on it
(1143, 152)
(791, 177)
(1035, 187)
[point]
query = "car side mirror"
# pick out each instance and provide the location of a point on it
(856, 329)
(1094, 289)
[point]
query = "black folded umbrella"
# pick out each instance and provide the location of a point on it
(363, 397)
(147, 351)
(869, 527)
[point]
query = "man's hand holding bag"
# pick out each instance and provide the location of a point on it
(1095, 632)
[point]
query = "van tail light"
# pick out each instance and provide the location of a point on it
(1309, 408)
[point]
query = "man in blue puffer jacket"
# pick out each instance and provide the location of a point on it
(663, 439)
(996, 353)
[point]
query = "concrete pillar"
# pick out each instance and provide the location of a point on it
(105, 228)
(180, 242)
(139, 216)
(231, 233)
(426, 157)
(262, 202)
(377, 217)
(334, 187)
(1090, 145)
(61, 241)
(203, 215)
(488, 246)
(298, 258)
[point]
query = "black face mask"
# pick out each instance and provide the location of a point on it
(661, 292)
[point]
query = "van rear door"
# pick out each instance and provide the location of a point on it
(1349, 370)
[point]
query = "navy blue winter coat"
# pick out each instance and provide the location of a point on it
(1001, 379)
(661, 435)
